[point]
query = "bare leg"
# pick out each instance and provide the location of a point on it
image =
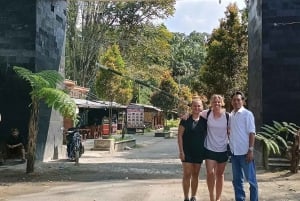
(219, 180)
(187, 174)
(210, 177)
(195, 178)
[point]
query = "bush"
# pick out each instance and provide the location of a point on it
(173, 123)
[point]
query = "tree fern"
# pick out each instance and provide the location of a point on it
(43, 88)
(276, 136)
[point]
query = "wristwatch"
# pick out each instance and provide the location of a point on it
(251, 149)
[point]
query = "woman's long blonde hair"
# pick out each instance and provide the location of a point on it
(217, 96)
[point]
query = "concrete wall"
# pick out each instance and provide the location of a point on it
(274, 60)
(17, 47)
(32, 35)
(50, 45)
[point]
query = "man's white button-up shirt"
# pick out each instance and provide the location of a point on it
(241, 125)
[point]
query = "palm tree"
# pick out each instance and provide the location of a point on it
(44, 88)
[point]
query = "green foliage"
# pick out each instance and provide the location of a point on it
(173, 123)
(149, 47)
(109, 86)
(44, 85)
(163, 101)
(185, 95)
(59, 100)
(104, 23)
(188, 55)
(226, 62)
(276, 137)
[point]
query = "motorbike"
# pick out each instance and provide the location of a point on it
(75, 147)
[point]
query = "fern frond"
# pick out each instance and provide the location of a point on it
(52, 77)
(277, 125)
(269, 128)
(60, 101)
(33, 79)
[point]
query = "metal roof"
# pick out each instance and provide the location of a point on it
(82, 103)
(148, 106)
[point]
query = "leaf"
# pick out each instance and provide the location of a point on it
(277, 125)
(269, 128)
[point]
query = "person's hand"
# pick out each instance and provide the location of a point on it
(9, 146)
(185, 116)
(181, 156)
(250, 156)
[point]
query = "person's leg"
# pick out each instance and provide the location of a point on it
(195, 178)
(210, 177)
(238, 177)
(187, 174)
(219, 179)
(250, 175)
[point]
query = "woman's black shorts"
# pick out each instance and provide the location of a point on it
(220, 157)
(192, 159)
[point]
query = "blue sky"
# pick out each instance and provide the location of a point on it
(198, 15)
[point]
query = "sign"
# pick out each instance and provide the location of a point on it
(135, 116)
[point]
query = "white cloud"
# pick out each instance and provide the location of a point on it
(198, 15)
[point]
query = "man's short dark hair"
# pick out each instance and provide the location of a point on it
(238, 93)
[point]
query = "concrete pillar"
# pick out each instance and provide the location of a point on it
(32, 35)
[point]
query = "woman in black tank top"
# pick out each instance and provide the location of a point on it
(191, 135)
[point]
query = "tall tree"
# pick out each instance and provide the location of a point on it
(43, 88)
(101, 24)
(185, 97)
(111, 86)
(167, 98)
(187, 56)
(226, 61)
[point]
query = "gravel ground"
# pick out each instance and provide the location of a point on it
(149, 172)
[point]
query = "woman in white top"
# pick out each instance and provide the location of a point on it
(216, 146)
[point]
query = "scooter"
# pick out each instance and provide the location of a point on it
(75, 147)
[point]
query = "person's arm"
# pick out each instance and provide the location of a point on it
(180, 142)
(251, 130)
(250, 154)
(204, 114)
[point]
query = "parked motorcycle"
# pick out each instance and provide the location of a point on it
(75, 147)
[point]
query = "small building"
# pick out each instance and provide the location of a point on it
(153, 116)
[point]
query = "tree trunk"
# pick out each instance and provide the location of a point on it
(295, 153)
(32, 135)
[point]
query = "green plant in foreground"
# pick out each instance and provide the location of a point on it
(277, 137)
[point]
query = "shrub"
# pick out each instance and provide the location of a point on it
(173, 123)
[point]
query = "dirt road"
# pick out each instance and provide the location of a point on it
(150, 172)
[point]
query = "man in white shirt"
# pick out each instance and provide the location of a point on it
(242, 138)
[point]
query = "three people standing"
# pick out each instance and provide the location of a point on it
(242, 137)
